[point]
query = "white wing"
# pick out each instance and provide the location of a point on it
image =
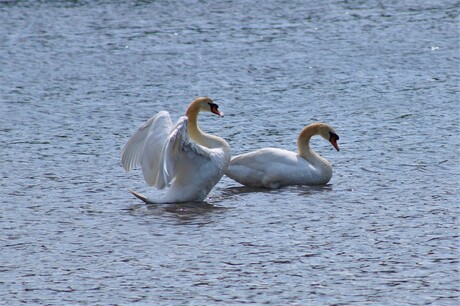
(181, 157)
(145, 146)
(170, 158)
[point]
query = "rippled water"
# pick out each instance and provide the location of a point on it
(78, 77)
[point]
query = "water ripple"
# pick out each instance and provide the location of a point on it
(78, 78)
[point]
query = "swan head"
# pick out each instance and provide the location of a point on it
(329, 134)
(207, 105)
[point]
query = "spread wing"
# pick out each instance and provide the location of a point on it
(182, 158)
(145, 146)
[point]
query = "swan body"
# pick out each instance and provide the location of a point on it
(182, 157)
(275, 168)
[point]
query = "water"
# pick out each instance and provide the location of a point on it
(78, 77)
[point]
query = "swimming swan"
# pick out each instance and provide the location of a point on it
(183, 157)
(275, 168)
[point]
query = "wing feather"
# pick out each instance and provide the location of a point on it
(178, 150)
(145, 146)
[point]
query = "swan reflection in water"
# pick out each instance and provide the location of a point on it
(232, 192)
(184, 213)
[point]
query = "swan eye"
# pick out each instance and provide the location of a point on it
(333, 136)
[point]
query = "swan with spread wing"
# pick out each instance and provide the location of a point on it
(275, 168)
(180, 156)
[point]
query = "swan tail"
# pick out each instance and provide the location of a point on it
(141, 197)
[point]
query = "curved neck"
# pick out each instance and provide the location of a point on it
(303, 144)
(195, 133)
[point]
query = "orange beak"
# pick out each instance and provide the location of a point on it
(216, 111)
(333, 141)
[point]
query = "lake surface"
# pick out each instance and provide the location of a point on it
(78, 77)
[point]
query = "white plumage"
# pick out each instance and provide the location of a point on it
(182, 157)
(275, 168)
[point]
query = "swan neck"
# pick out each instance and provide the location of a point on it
(200, 137)
(194, 131)
(303, 144)
(320, 165)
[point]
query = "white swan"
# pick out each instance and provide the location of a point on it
(275, 168)
(182, 156)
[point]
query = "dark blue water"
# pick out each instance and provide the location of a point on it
(78, 77)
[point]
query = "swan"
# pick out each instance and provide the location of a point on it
(182, 157)
(275, 168)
